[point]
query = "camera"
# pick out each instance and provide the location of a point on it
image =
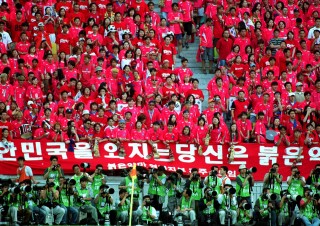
(217, 99)
(85, 165)
(212, 193)
(153, 171)
(81, 200)
(252, 170)
(246, 206)
(70, 182)
(213, 173)
(272, 170)
(107, 190)
(271, 197)
(230, 191)
(148, 203)
(195, 176)
(55, 167)
(14, 190)
(39, 187)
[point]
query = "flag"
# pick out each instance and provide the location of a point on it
(133, 173)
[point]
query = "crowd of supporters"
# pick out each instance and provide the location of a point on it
(99, 70)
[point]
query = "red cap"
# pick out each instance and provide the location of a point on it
(34, 106)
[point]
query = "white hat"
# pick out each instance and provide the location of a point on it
(299, 84)
(112, 28)
(40, 24)
(242, 167)
(85, 112)
(30, 102)
(291, 94)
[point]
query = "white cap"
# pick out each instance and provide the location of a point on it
(242, 167)
(291, 94)
(299, 84)
(85, 112)
(30, 102)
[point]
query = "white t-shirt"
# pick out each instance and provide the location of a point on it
(6, 39)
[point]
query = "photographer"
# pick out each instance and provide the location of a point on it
(224, 177)
(308, 210)
(126, 184)
(228, 204)
(84, 198)
(208, 206)
(196, 185)
(286, 215)
(123, 207)
(175, 186)
(296, 182)
(244, 184)
(244, 214)
(54, 170)
(78, 174)
(103, 201)
(50, 198)
(265, 209)
(148, 213)
(157, 189)
(186, 207)
(98, 178)
(4, 198)
(314, 179)
(273, 180)
(213, 181)
(67, 192)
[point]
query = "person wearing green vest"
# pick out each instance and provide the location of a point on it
(245, 182)
(50, 198)
(123, 208)
(228, 202)
(126, 183)
(84, 197)
(175, 185)
(157, 189)
(147, 212)
(314, 179)
(196, 185)
(78, 175)
(66, 189)
(213, 181)
(308, 209)
(186, 207)
(54, 170)
(98, 179)
(244, 214)
(104, 203)
(273, 180)
(296, 182)
(208, 206)
(286, 215)
(264, 208)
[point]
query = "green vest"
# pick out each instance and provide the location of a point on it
(96, 183)
(103, 206)
(64, 198)
(145, 216)
(275, 187)
(185, 204)
(245, 191)
(196, 190)
(55, 174)
(124, 207)
(15, 202)
(312, 186)
(295, 187)
(285, 209)
(308, 211)
(77, 179)
(210, 209)
(128, 182)
(155, 188)
(30, 203)
(215, 183)
(263, 206)
(226, 199)
(85, 193)
(242, 218)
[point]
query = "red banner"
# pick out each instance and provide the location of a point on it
(37, 155)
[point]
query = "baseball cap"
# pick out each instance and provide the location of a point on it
(291, 94)
(98, 68)
(252, 65)
(242, 167)
(122, 121)
(299, 84)
(86, 112)
(69, 111)
(30, 102)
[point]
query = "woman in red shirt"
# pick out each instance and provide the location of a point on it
(217, 134)
(234, 137)
(186, 137)
(139, 135)
(237, 69)
(200, 132)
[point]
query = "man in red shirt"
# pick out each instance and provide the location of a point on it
(224, 46)
(315, 95)
(64, 41)
(238, 106)
(195, 91)
(167, 51)
(206, 45)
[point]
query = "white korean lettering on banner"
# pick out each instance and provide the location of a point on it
(163, 154)
(10, 149)
(267, 155)
(211, 152)
(58, 148)
(112, 151)
(203, 171)
(239, 154)
(137, 148)
(291, 154)
(28, 148)
(82, 150)
(314, 154)
(171, 168)
(186, 152)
